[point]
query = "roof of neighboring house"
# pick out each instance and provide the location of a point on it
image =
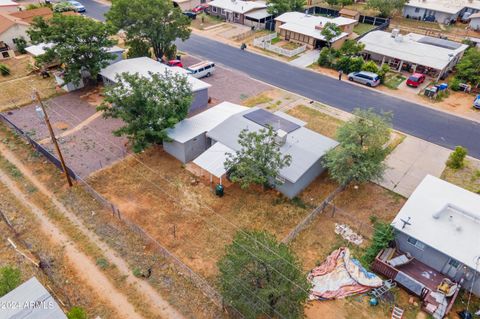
(39, 49)
(447, 6)
(305, 24)
(414, 48)
(305, 147)
(238, 6)
(475, 16)
(258, 14)
(8, 3)
(29, 15)
(445, 217)
(143, 66)
(192, 127)
(7, 21)
(33, 300)
(213, 159)
(349, 12)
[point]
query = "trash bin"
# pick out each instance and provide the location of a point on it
(219, 191)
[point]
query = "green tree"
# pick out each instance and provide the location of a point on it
(278, 7)
(349, 64)
(330, 31)
(63, 7)
(456, 159)
(370, 66)
(79, 43)
(156, 21)
(147, 106)
(344, 3)
(468, 69)
(351, 48)
(386, 7)
(259, 159)
(138, 48)
(326, 57)
(77, 313)
(10, 278)
(332, 2)
(383, 234)
(21, 44)
(260, 276)
(361, 152)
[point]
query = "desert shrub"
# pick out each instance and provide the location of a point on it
(77, 313)
(4, 70)
(456, 159)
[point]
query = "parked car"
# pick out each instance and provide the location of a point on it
(78, 7)
(200, 8)
(415, 80)
(175, 63)
(476, 102)
(201, 69)
(367, 78)
(190, 14)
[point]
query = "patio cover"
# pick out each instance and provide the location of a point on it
(258, 14)
(213, 158)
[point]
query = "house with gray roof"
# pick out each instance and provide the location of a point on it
(441, 11)
(305, 146)
(30, 300)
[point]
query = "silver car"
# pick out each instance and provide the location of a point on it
(367, 78)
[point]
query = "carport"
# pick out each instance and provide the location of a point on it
(258, 18)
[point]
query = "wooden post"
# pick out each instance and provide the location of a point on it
(54, 140)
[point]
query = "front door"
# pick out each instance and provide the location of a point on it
(451, 268)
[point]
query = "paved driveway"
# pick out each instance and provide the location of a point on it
(410, 162)
(306, 59)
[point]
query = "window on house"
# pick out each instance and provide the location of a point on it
(416, 243)
(417, 10)
(214, 9)
(236, 15)
(454, 263)
(223, 11)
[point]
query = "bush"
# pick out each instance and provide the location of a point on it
(382, 72)
(325, 58)
(4, 70)
(382, 236)
(171, 52)
(21, 44)
(455, 84)
(10, 278)
(457, 157)
(77, 313)
(370, 66)
(138, 48)
(348, 64)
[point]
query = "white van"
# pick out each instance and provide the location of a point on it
(201, 69)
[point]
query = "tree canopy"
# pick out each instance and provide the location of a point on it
(361, 152)
(341, 3)
(79, 43)
(156, 21)
(147, 105)
(278, 7)
(468, 69)
(258, 161)
(330, 31)
(386, 7)
(261, 277)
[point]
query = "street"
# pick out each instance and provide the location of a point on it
(425, 123)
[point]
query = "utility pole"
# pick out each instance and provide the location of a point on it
(54, 139)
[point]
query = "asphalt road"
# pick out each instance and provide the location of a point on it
(425, 123)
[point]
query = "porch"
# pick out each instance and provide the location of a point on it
(419, 279)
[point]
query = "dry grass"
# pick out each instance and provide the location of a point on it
(316, 120)
(19, 66)
(17, 92)
(204, 21)
(467, 177)
(257, 100)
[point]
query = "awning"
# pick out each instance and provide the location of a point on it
(212, 160)
(258, 14)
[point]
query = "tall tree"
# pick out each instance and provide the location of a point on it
(361, 152)
(79, 43)
(259, 159)
(468, 69)
(330, 31)
(278, 7)
(156, 21)
(147, 105)
(386, 7)
(260, 276)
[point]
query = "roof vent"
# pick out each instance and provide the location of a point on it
(395, 33)
(281, 137)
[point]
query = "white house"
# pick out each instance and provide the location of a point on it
(251, 13)
(442, 11)
(143, 66)
(413, 52)
(8, 6)
(475, 21)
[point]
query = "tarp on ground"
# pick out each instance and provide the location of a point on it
(340, 276)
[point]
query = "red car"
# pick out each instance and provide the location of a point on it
(200, 8)
(415, 80)
(175, 63)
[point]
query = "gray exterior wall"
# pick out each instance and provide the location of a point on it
(228, 16)
(293, 189)
(420, 13)
(200, 101)
(439, 261)
(188, 151)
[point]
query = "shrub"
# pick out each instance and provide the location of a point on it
(457, 157)
(370, 66)
(21, 44)
(4, 70)
(138, 48)
(348, 64)
(10, 278)
(455, 84)
(77, 313)
(382, 72)
(382, 236)
(325, 58)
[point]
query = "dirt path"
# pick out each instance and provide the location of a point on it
(159, 305)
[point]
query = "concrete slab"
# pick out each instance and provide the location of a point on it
(410, 162)
(306, 59)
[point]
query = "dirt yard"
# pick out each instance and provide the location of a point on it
(467, 177)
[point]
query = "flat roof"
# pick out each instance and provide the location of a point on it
(33, 300)
(192, 127)
(305, 24)
(447, 6)
(305, 146)
(445, 217)
(410, 48)
(213, 159)
(238, 6)
(143, 66)
(258, 14)
(39, 49)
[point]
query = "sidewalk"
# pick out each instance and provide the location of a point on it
(306, 59)
(410, 162)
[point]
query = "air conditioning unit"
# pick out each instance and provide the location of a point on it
(395, 33)
(281, 137)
